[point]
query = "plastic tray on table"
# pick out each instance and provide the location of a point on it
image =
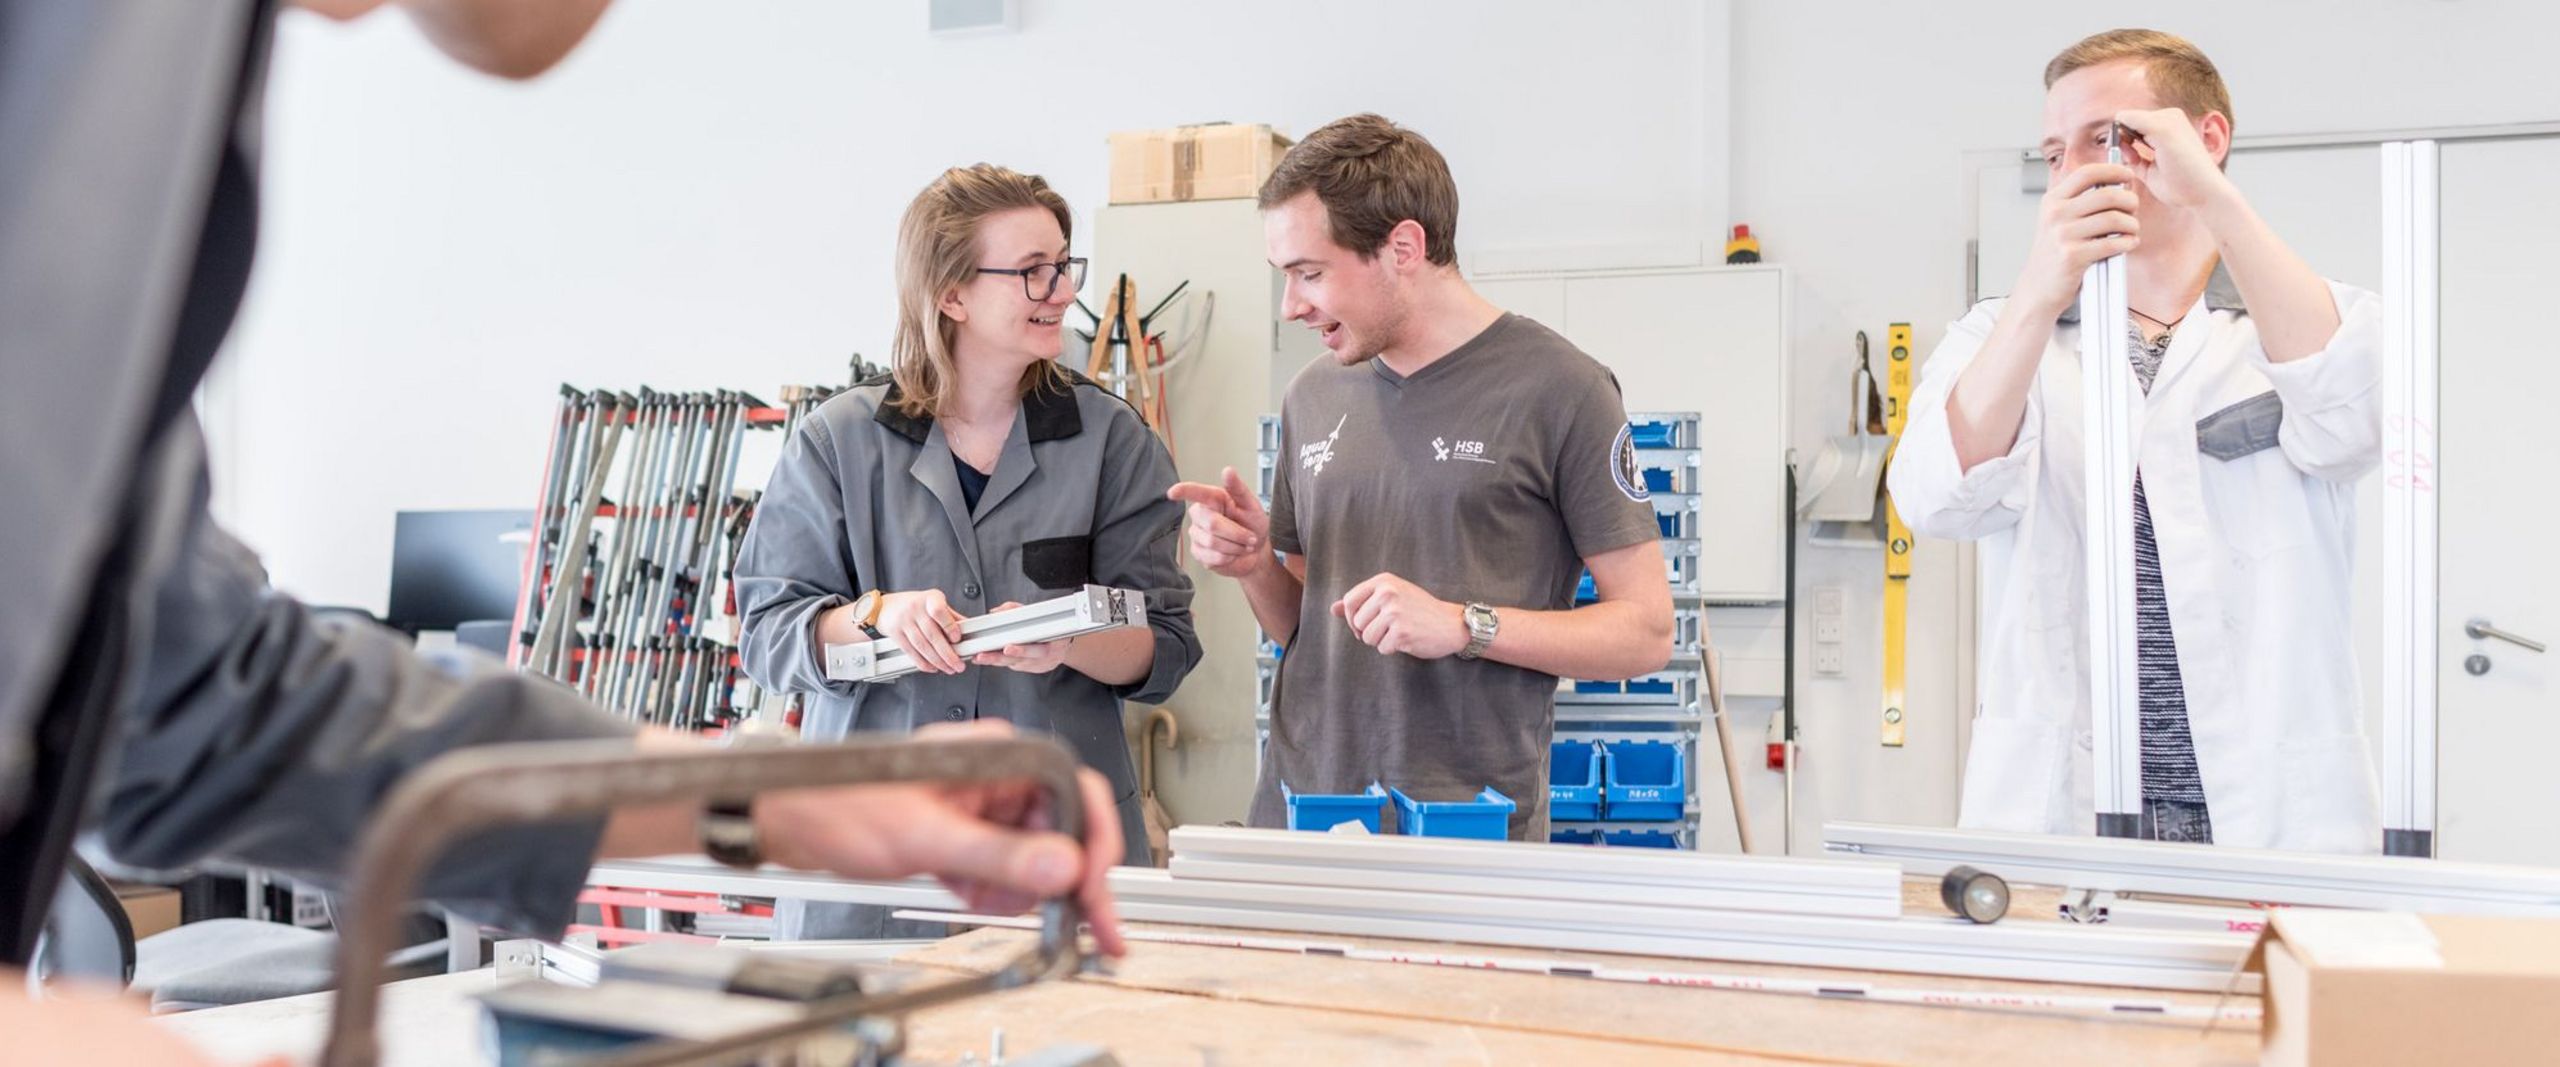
(1324, 811)
(1486, 818)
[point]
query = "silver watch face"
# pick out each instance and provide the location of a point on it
(731, 839)
(1481, 624)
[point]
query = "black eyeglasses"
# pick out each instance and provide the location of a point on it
(1040, 281)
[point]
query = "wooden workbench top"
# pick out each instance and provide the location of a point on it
(1193, 1004)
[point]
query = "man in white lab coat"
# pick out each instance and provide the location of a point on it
(2259, 410)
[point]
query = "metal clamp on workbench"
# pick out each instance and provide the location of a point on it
(474, 790)
(1094, 609)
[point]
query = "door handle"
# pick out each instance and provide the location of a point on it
(2480, 630)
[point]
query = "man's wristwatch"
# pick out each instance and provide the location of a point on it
(729, 835)
(866, 612)
(727, 825)
(1482, 625)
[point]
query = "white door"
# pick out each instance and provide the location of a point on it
(2498, 733)
(2327, 204)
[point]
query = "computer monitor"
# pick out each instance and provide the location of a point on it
(453, 567)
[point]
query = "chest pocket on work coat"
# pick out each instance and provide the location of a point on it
(1060, 563)
(2246, 476)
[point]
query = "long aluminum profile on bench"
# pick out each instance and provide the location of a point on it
(2404, 883)
(2032, 951)
(693, 874)
(1540, 871)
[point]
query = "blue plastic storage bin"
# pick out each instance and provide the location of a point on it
(1651, 686)
(1573, 781)
(1324, 811)
(1641, 839)
(1573, 837)
(1657, 479)
(1487, 817)
(1586, 591)
(1648, 781)
(1655, 434)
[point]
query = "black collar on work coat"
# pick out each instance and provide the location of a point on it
(1048, 414)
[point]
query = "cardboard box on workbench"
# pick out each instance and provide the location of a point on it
(2349, 988)
(1221, 161)
(149, 909)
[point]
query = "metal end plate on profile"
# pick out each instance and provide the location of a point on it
(849, 661)
(1976, 895)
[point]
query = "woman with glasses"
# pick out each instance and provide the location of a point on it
(978, 474)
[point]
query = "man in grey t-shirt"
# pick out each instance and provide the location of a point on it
(1444, 481)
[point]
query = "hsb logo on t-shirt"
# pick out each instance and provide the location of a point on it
(1442, 451)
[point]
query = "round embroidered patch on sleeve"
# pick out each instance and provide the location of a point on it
(1622, 466)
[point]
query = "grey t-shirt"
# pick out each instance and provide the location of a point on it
(1488, 476)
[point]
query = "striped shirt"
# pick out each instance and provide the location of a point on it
(2168, 752)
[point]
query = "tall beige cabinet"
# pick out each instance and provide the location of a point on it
(1236, 373)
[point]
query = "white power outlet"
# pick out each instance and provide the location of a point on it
(1830, 661)
(1830, 600)
(1829, 630)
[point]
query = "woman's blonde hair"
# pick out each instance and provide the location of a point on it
(938, 252)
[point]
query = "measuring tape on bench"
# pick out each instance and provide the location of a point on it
(1897, 537)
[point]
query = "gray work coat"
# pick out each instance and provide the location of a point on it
(866, 497)
(152, 687)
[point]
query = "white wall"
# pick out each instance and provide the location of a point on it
(1856, 126)
(705, 194)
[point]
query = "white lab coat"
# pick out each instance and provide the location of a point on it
(2255, 522)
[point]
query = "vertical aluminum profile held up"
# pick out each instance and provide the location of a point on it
(2409, 501)
(1787, 699)
(2111, 425)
